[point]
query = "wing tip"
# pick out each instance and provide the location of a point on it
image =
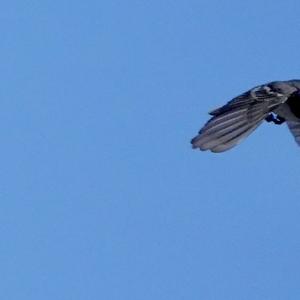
(194, 141)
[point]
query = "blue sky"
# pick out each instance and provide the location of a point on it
(101, 195)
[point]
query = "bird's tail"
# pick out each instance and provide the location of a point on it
(294, 127)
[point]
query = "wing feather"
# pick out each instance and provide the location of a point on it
(233, 122)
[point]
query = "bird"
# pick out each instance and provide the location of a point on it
(275, 102)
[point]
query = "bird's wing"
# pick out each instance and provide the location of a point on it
(234, 121)
(294, 127)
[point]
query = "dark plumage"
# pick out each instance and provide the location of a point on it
(276, 102)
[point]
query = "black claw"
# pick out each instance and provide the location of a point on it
(279, 120)
(270, 118)
(276, 120)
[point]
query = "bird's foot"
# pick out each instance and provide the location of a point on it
(275, 119)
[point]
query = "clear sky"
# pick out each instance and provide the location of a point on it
(102, 196)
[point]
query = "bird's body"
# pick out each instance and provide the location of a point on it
(277, 102)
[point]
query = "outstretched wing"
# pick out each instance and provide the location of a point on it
(234, 121)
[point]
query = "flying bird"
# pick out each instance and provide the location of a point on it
(276, 102)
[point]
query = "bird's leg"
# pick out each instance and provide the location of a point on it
(279, 120)
(270, 118)
(276, 120)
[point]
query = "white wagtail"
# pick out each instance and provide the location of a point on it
(277, 102)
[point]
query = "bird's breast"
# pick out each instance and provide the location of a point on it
(285, 111)
(294, 104)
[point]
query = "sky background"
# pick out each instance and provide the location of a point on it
(102, 196)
